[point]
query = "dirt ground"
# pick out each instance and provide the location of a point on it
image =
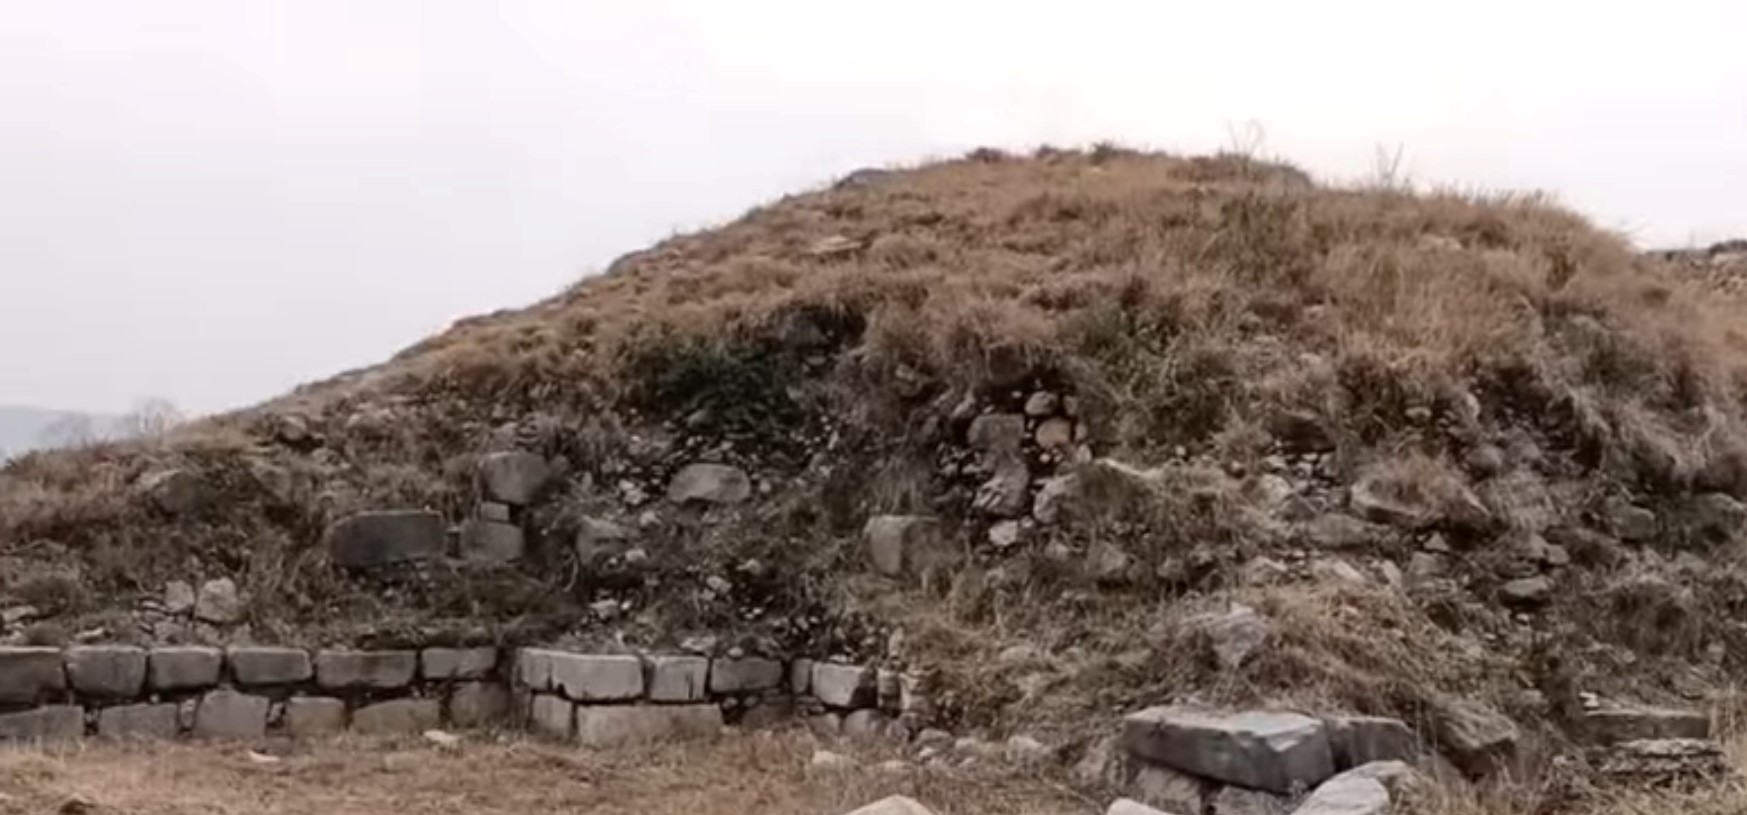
(738, 774)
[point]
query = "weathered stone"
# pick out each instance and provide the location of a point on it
(622, 725)
(894, 540)
(1613, 725)
(178, 597)
(1415, 501)
(138, 722)
(1001, 433)
(710, 484)
(107, 671)
(552, 717)
(457, 663)
(494, 511)
(1335, 571)
(845, 686)
(1526, 592)
(397, 717)
(1233, 636)
(261, 665)
(1240, 801)
(1347, 794)
(1476, 738)
(1041, 403)
(218, 602)
(485, 541)
(176, 491)
(384, 538)
(865, 724)
(1004, 494)
(310, 716)
(1264, 750)
(380, 670)
(1665, 761)
(1521, 500)
(895, 805)
(745, 675)
(513, 477)
(1054, 434)
(1056, 499)
(183, 667)
(50, 723)
(1165, 788)
(800, 677)
(678, 679)
(1338, 530)
(1630, 522)
(1359, 740)
(478, 704)
(28, 674)
(228, 714)
(592, 678)
(1124, 806)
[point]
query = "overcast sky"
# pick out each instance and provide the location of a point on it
(215, 200)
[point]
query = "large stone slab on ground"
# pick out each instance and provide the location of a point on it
(1273, 751)
(309, 716)
(1347, 794)
(1358, 740)
(107, 671)
(51, 723)
(895, 805)
(514, 477)
(709, 484)
(378, 670)
(552, 717)
(597, 678)
(747, 675)
(385, 537)
(28, 674)
(622, 725)
(263, 665)
(229, 714)
(479, 704)
(1476, 738)
(840, 685)
(138, 722)
(188, 667)
(1615, 725)
(397, 717)
(678, 679)
(896, 540)
(457, 663)
(484, 541)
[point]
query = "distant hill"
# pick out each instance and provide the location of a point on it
(27, 428)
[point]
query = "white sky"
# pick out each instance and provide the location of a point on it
(213, 201)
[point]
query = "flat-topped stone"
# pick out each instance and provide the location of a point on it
(478, 704)
(397, 717)
(107, 671)
(188, 667)
(845, 686)
(1615, 725)
(597, 678)
(513, 477)
(157, 721)
(457, 663)
(678, 678)
(229, 714)
(259, 666)
(1358, 740)
(624, 725)
(746, 675)
(50, 723)
(1265, 750)
(307, 716)
(552, 717)
(29, 674)
(377, 670)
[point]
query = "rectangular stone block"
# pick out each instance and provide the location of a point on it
(479, 704)
(183, 668)
(229, 714)
(29, 674)
(107, 671)
(138, 722)
(552, 717)
(259, 666)
(534, 668)
(844, 686)
(591, 678)
(1615, 725)
(801, 677)
(51, 723)
(307, 716)
(397, 717)
(457, 663)
(379, 670)
(749, 675)
(624, 725)
(678, 679)
(1265, 750)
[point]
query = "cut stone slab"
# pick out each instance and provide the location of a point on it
(138, 722)
(228, 714)
(534, 668)
(1615, 725)
(1476, 738)
(397, 717)
(894, 540)
(308, 716)
(107, 671)
(457, 663)
(593, 678)
(710, 484)
(513, 477)
(1347, 794)
(678, 679)
(484, 541)
(1359, 740)
(1124, 806)
(187, 667)
(259, 666)
(379, 670)
(385, 537)
(895, 805)
(1273, 751)
(746, 675)
(51, 723)
(622, 725)
(552, 717)
(28, 674)
(479, 704)
(800, 677)
(844, 686)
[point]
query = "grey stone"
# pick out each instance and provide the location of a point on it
(1614, 725)
(457, 663)
(1382, 496)
(218, 602)
(1347, 794)
(485, 541)
(801, 677)
(107, 671)
(894, 540)
(1056, 499)
(844, 686)
(1629, 522)
(1004, 494)
(750, 674)
(138, 722)
(1234, 636)
(1054, 434)
(1273, 751)
(229, 714)
(29, 673)
(49, 723)
(1001, 433)
(178, 597)
(494, 511)
(176, 491)
(596, 538)
(380, 670)
(397, 717)
(622, 725)
(1526, 592)
(678, 679)
(591, 678)
(479, 704)
(1338, 530)
(1476, 738)
(188, 667)
(1360, 740)
(1041, 404)
(385, 537)
(1240, 801)
(534, 668)
(710, 484)
(1658, 762)
(310, 716)
(865, 724)
(513, 477)
(1124, 806)
(1165, 788)
(552, 717)
(263, 665)
(895, 805)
